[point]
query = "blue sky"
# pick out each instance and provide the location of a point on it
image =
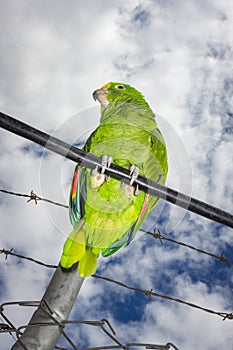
(179, 54)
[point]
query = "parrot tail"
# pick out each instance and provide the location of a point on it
(76, 253)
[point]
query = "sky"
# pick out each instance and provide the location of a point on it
(54, 54)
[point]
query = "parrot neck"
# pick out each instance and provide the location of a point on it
(126, 110)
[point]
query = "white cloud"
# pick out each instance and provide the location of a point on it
(180, 56)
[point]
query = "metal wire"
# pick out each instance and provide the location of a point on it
(33, 197)
(9, 328)
(130, 345)
(10, 252)
(150, 293)
(157, 235)
(79, 156)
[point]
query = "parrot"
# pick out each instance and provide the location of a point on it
(106, 213)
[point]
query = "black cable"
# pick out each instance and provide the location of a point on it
(79, 156)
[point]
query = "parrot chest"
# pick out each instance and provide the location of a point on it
(127, 144)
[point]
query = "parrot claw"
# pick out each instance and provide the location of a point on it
(134, 172)
(98, 177)
(136, 192)
(105, 162)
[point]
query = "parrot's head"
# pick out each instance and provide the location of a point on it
(116, 93)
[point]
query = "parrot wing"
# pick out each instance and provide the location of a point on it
(77, 195)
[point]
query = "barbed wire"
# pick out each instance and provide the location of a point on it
(8, 327)
(129, 345)
(33, 197)
(150, 293)
(103, 324)
(156, 234)
(10, 252)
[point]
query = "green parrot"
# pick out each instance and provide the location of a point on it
(107, 213)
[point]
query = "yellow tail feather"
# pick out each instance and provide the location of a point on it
(88, 264)
(74, 248)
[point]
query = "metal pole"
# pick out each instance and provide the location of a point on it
(90, 161)
(55, 307)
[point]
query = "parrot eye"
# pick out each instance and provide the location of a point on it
(120, 87)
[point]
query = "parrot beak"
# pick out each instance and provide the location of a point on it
(101, 96)
(95, 93)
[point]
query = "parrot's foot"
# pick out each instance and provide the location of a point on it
(134, 172)
(106, 161)
(99, 177)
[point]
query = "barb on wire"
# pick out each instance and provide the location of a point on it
(10, 252)
(33, 197)
(157, 235)
(150, 293)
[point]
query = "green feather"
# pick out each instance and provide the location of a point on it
(110, 214)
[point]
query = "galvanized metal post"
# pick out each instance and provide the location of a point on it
(42, 333)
